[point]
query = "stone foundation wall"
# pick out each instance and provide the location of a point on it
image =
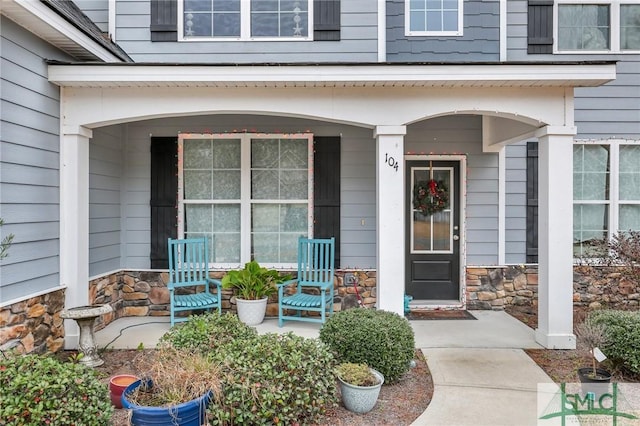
(604, 287)
(494, 288)
(132, 293)
(36, 322)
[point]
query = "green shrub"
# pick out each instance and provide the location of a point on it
(208, 331)
(39, 390)
(622, 329)
(382, 340)
(274, 379)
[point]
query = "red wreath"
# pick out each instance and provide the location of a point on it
(430, 197)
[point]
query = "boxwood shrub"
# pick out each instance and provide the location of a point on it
(382, 340)
(622, 329)
(41, 390)
(274, 379)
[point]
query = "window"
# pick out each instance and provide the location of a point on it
(250, 194)
(433, 17)
(245, 19)
(607, 26)
(606, 191)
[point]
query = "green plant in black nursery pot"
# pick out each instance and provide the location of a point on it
(252, 287)
(594, 336)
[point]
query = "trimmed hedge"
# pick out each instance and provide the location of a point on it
(622, 329)
(382, 340)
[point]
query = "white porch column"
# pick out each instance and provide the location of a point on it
(555, 238)
(390, 217)
(74, 223)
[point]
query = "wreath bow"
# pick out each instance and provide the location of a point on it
(430, 197)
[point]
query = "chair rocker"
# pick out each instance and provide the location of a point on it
(189, 269)
(314, 282)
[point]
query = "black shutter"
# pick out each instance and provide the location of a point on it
(326, 20)
(540, 27)
(164, 20)
(532, 202)
(164, 194)
(326, 190)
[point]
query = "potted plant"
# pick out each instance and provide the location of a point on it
(252, 287)
(175, 388)
(593, 336)
(359, 386)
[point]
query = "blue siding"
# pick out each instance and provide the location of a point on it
(515, 204)
(97, 11)
(480, 40)
(105, 174)
(609, 111)
(29, 164)
(358, 41)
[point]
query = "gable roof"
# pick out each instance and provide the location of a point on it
(62, 24)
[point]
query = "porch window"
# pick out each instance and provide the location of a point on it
(433, 17)
(250, 194)
(608, 26)
(606, 191)
(245, 20)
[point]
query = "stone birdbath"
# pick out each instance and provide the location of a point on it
(85, 316)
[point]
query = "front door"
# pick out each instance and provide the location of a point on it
(433, 230)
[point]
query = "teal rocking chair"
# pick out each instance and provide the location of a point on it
(189, 269)
(314, 283)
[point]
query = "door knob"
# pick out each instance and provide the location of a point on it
(456, 238)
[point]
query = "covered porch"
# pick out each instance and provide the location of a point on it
(386, 114)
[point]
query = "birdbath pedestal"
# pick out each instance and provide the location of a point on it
(85, 316)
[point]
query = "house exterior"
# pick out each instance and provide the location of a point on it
(254, 122)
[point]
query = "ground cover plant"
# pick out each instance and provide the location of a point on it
(382, 340)
(42, 390)
(622, 331)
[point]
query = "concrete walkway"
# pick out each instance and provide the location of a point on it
(481, 374)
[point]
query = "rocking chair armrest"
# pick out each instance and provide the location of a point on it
(215, 282)
(286, 283)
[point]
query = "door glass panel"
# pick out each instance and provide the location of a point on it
(432, 232)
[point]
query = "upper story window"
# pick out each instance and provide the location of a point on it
(245, 19)
(433, 17)
(604, 26)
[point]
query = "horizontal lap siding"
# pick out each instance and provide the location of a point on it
(358, 203)
(515, 203)
(358, 40)
(105, 174)
(97, 11)
(609, 111)
(29, 164)
(479, 42)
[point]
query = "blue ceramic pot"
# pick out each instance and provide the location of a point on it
(191, 413)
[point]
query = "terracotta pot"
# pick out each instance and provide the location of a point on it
(117, 385)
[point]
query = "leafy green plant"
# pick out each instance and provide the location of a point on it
(622, 329)
(208, 331)
(41, 390)
(254, 282)
(383, 340)
(5, 243)
(356, 374)
(274, 379)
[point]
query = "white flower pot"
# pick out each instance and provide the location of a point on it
(360, 399)
(251, 312)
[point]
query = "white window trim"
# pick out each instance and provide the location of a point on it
(409, 33)
(245, 27)
(245, 190)
(614, 27)
(614, 182)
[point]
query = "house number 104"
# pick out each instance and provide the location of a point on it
(391, 161)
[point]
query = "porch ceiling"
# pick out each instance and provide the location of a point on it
(334, 75)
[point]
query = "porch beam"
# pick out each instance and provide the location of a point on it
(74, 223)
(555, 237)
(390, 218)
